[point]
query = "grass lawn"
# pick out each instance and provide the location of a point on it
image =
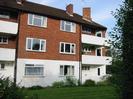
(99, 92)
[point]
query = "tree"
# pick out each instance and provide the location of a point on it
(123, 42)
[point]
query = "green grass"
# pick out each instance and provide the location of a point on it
(99, 92)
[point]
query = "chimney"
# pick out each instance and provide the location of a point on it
(87, 13)
(69, 9)
(20, 1)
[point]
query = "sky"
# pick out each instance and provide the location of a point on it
(100, 9)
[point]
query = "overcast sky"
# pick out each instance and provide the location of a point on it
(101, 9)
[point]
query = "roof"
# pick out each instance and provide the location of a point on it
(48, 11)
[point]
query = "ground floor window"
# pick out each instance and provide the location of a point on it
(98, 71)
(85, 67)
(2, 66)
(34, 69)
(67, 70)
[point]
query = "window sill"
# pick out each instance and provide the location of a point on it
(67, 53)
(33, 76)
(68, 31)
(37, 26)
(66, 76)
(35, 51)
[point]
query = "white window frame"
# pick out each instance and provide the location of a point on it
(70, 48)
(43, 18)
(1, 42)
(73, 28)
(96, 51)
(32, 44)
(71, 71)
(34, 66)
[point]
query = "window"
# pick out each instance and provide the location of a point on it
(33, 44)
(4, 15)
(67, 48)
(85, 67)
(86, 29)
(66, 70)
(99, 34)
(3, 40)
(98, 71)
(2, 66)
(67, 26)
(34, 69)
(37, 20)
(98, 52)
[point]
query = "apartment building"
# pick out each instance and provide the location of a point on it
(40, 44)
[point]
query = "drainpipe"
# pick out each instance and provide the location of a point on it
(80, 55)
(16, 53)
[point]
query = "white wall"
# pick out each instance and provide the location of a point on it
(96, 60)
(89, 39)
(51, 72)
(8, 71)
(8, 27)
(92, 73)
(7, 54)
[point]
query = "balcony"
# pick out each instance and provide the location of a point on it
(94, 40)
(96, 60)
(8, 27)
(7, 54)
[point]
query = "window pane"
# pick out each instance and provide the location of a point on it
(68, 28)
(4, 39)
(65, 70)
(72, 70)
(29, 44)
(37, 22)
(73, 27)
(44, 22)
(98, 52)
(67, 47)
(2, 66)
(36, 44)
(42, 45)
(61, 70)
(62, 25)
(30, 18)
(72, 48)
(1, 39)
(34, 71)
(62, 47)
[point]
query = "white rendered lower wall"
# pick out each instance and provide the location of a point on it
(51, 72)
(8, 71)
(92, 73)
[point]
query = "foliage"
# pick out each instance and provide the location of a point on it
(8, 90)
(71, 82)
(68, 82)
(89, 83)
(58, 84)
(35, 87)
(122, 65)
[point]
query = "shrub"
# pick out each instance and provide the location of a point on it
(70, 81)
(35, 87)
(89, 83)
(58, 84)
(8, 90)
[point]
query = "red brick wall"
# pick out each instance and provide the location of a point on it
(53, 37)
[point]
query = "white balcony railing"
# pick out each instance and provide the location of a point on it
(94, 40)
(7, 54)
(96, 60)
(8, 27)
